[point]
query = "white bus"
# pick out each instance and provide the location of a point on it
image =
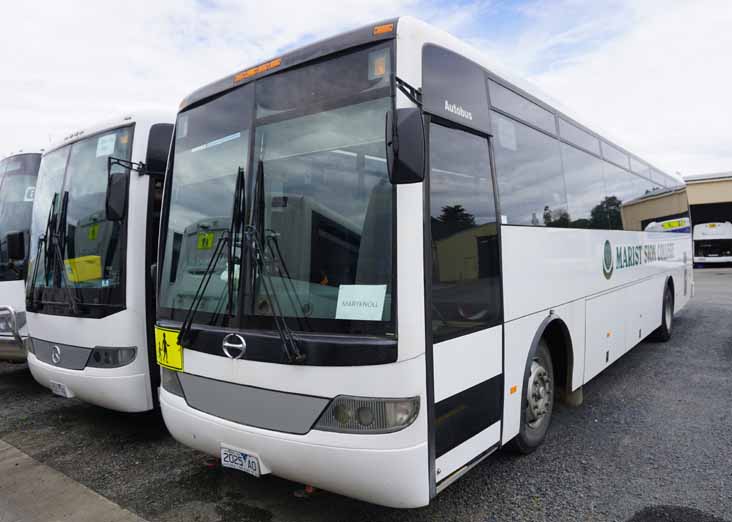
(713, 243)
(17, 185)
(90, 295)
(373, 318)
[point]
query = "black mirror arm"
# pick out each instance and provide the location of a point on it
(414, 94)
(138, 167)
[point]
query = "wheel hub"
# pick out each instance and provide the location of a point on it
(538, 394)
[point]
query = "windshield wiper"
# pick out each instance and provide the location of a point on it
(289, 343)
(59, 247)
(227, 238)
(42, 240)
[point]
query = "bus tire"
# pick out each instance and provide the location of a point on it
(663, 332)
(538, 400)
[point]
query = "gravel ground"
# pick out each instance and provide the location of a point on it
(651, 443)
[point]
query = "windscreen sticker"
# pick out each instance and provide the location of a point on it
(219, 141)
(205, 241)
(29, 193)
(361, 302)
(93, 232)
(168, 352)
(507, 134)
(181, 128)
(105, 145)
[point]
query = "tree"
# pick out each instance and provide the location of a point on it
(456, 218)
(607, 214)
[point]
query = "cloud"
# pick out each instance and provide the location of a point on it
(660, 84)
(654, 73)
(67, 64)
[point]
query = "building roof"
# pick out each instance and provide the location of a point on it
(715, 176)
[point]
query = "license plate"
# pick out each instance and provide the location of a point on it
(237, 459)
(61, 389)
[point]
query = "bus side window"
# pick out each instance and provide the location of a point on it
(530, 177)
(465, 262)
(588, 204)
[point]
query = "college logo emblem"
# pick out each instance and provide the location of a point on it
(607, 260)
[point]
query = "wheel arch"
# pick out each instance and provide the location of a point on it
(556, 333)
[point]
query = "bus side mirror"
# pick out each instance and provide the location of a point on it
(158, 145)
(116, 200)
(405, 146)
(15, 242)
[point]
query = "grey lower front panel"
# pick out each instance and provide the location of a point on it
(250, 406)
(69, 357)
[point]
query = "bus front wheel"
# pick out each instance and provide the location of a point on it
(538, 400)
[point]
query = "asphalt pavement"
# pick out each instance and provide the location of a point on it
(652, 442)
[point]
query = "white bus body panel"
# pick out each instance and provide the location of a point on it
(344, 463)
(127, 388)
(603, 315)
(393, 475)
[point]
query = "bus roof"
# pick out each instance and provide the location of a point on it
(20, 152)
(144, 116)
(402, 27)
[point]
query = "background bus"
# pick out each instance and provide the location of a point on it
(713, 243)
(422, 253)
(90, 296)
(17, 186)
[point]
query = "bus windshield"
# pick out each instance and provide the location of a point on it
(318, 199)
(17, 186)
(91, 260)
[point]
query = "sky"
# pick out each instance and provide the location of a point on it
(654, 75)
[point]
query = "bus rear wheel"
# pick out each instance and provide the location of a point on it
(663, 332)
(538, 401)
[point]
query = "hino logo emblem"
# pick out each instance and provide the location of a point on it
(55, 354)
(234, 346)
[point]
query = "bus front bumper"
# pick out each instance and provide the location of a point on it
(108, 388)
(390, 477)
(10, 350)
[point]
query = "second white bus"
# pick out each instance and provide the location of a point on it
(90, 295)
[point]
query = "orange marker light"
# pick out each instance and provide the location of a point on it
(259, 69)
(383, 29)
(513, 389)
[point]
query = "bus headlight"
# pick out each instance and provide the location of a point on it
(170, 382)
(111, 357)
(366, 415)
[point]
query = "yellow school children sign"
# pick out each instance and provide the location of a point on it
(169, 352)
